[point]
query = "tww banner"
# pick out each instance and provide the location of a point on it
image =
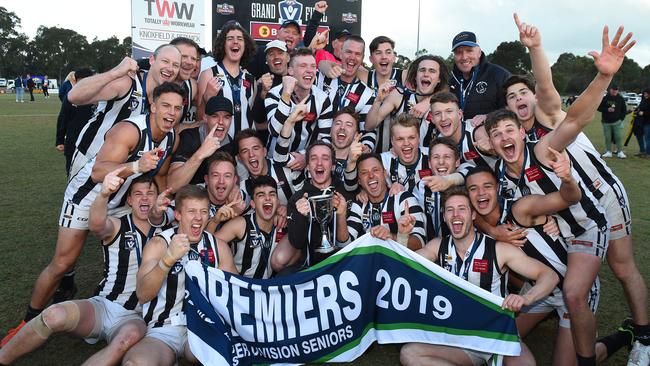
(372, 290)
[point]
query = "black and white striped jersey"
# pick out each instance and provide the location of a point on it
(470, 155)
(315, 125)
(289, 181)
(240, 91)
(396, 74)
(383, 131)
(252, 252)
(363, 216)
(478, 266)
(82, 190)
(435, 224)
(407, 176)
(167, 307)
(189, 109)
(356, 95)
(109, 112)
(538, 179)
(121, 262)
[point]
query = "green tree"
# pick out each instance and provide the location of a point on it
(628, 76)
(105, 54)
(56, 51)
(421, 52)
(512, 56)
(402, 62)
(13, 45)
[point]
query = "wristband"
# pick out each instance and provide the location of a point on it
(168, 265)
(135, 168)
(163, 266)
(163, 223)
(403, 239)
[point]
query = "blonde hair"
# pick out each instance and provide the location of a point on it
(405, 120)
(70, 77)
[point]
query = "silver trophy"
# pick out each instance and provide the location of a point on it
(322, 211)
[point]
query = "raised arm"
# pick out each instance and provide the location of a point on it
(549, 102)
(105, 86)
(102, 225)
(387, 101)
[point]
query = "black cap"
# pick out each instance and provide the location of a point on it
(341, 33)
(614, 87)
(218, 104)
(464, 38)
(288, 23)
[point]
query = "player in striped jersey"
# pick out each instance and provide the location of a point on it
(190, 58)
(233, 48)
(427, 75)
(484, 262)
(161, 279)
(408, 162)
(122, 93)
(253, 155)
(345, 140)
(448, 118)
(348, 90)
(189, 163)
(253, 236)
(114, 314)
(380, 214)
(133, 145)
(382, 57)
(298, 88)
(443, 162)
(539, 109)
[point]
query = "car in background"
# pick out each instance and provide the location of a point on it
(632, 99)
(3, 83)
(11, 85)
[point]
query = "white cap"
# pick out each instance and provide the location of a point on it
(276, 44)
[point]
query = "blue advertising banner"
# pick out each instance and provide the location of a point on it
(372, 290)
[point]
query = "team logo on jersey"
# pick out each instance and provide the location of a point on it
(365, 220)
(429, 205)
(177, 268)
(290, 10)
(130, 240)
(134, 103)
(349, 18)
(481, 87)
(256, 240)
(339, 170)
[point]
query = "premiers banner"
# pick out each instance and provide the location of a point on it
(262, 18)
(156, 22)
(372, 290)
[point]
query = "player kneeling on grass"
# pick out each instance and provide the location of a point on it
(161, 279)
(114, 314)
(482, 261)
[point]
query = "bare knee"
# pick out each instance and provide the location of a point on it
(574, 297)
(128, 335)
(410, 354)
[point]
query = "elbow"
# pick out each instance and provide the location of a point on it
(143, 295)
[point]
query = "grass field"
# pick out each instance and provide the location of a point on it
(32, 184)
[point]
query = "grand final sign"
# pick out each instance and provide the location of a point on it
(156, 22)
(263, 18)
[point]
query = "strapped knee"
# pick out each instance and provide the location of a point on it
(69, 314)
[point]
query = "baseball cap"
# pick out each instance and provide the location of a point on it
(290, 22)
(464, 38)
(218, 104)
(614, 87)
(276, 44)
(341, 33)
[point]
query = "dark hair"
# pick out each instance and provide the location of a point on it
(320, 143)
(157, 51)
(188, 42)
(219, 48)
(444, 97)
(379, 40)
(366, 156)
(244, 134)
(493, 118)
(347, 110)
(405, 120)
(480, 169)
(447, 141)
(455, 191)
(83, 72)
(144, 178)
(355, 38)
(443, 72)
(168, 87)
(262, 181)
(516, 79)
(300, 51)
(190, 191)
(220, 156)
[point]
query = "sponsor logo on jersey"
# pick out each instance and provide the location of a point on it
(480, 265)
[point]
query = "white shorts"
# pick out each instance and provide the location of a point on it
(478, 358)
(174, 336)
(617, 209)
(109, 317)
(75, 216)
(592, 241)
(555, 301)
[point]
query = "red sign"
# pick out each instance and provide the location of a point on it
(470, 155)
(533, 173)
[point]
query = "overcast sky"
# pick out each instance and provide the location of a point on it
(566, 25)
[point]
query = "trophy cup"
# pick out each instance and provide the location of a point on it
(322, 211)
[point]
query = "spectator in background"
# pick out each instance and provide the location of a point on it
(642, 119)
(20, 89)
(614, 110)
(30, 87)
(67, 84)
(44, 86)
(72, 118)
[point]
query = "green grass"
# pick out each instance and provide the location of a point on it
(32, 184)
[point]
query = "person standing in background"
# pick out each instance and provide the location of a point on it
(20, 89)
(642, 120)
(30, 86)
(614, 110)
(44, 86)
